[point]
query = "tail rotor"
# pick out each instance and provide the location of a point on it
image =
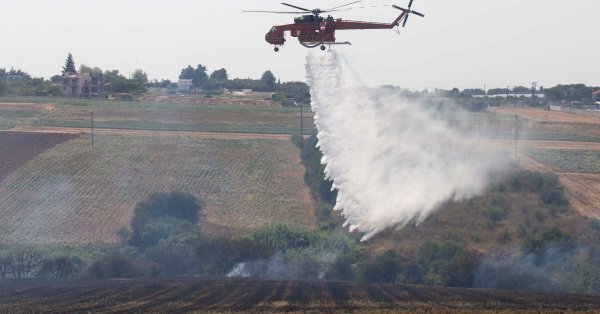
(408, 12)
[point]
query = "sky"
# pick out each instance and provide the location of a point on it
(460, 43)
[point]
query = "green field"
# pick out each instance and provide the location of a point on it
(568, 160)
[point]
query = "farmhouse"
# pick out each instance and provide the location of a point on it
(80, 85)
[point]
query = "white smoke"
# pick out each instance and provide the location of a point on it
(393, 160)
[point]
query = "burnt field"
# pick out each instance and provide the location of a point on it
(183, 296)
(18, 148)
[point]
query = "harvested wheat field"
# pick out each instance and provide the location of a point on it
(581, 187)
(71, 194)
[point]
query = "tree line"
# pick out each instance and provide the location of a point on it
(112, 81)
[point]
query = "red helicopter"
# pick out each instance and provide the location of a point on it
(313, 30)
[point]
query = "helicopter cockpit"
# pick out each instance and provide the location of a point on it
(308, 19)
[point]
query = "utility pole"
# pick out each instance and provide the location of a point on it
(515, 95)
(516, 133)
(507, 94)
(533, 88)
(92, 130)
(302, 127)
(485, 95)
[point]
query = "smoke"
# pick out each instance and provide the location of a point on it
(552, 270)
(271, 268)
(394, 160)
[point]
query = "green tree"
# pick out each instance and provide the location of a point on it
(198, 75)
(84, 69)
(140, 76)
(2, 86)
(268, 80)
(219, 75)
(115, 265)
(573, 92)
(383, 268)
(56, 79)
(553, 238)
(281, 237)
(164, 216)
(113, 76)
(187, 73)
(297, 90)
(69, 65)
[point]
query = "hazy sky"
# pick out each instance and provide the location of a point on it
(460, 43)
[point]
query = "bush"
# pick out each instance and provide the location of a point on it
(61, 267)
(115, 265)
(296, 252)
(553, 238)
(167, 232)
(539, 215)
(218, 256)
(505, 237)
(282, 237)
(172, 261)
(546, 184)
(437, 263)
(530, 181)
(174, 204)
(163, 214)
(383, 268)
(498, 200)
(595, 225)
(496, 214)
(551, 190)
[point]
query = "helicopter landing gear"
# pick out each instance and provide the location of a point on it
(276, 49)
(323, 48)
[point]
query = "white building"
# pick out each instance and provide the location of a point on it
(184, 85)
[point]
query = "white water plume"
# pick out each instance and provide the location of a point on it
(393, 160)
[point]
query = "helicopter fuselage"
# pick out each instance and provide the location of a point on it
(313, 30)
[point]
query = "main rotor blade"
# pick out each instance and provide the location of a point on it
(276, 12)
(341, 6)
(399, 8)
(295, 7)
(405, 20)
(410, 4)
(419, 14)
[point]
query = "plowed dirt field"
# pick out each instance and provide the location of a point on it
(17, 148)
(185, 296)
